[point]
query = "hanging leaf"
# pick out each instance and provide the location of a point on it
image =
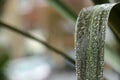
(90, 39)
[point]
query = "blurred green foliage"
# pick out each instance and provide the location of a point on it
(2, 5)
(4, 57)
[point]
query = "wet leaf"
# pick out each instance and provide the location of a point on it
(90, 39)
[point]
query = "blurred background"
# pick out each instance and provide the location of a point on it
(25, 59)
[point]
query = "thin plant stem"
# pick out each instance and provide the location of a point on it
(2, 24)
(63, 9)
